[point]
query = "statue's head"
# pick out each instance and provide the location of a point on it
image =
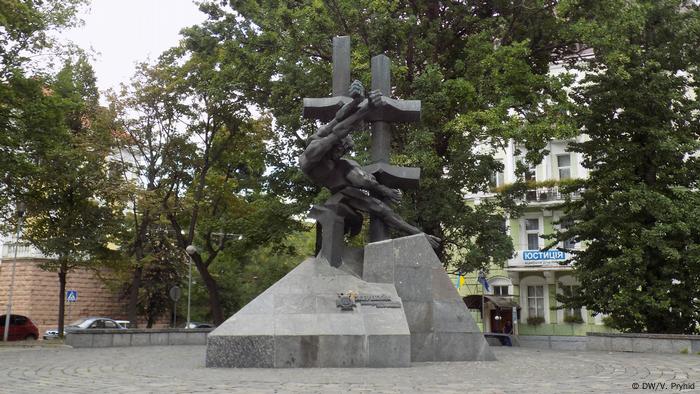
(344, 146)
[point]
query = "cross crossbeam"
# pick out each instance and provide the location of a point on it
(392, 111)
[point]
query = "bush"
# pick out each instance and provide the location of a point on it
(608, 322)
(573, 319)
(535, 320)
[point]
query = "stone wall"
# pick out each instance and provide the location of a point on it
(36, 295)
(554, 342)
(643, 343)
(137, 337)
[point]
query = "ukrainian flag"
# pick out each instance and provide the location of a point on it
(459, 280)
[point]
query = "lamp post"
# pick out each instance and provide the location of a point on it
(20, 216)
(191, 250)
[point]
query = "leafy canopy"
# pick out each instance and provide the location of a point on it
(638, 215)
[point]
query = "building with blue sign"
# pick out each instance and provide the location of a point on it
(523, 292)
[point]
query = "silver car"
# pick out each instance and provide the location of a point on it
(85, 324)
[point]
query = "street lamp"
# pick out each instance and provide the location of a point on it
(20, 216)
(191, 250)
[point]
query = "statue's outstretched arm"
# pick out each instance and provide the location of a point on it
(357, 92)
(344, 127)
(364, 180)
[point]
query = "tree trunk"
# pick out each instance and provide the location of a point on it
(134, 296)
(215, 307)
(319, 239)
(61, 298)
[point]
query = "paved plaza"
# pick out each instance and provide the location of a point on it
(180, 369)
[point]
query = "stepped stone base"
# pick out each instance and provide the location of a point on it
(442, 329)
(296, 323)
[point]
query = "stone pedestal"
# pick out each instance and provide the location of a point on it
(442, 329)
(296, 323)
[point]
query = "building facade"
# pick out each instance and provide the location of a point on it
(524, 291)
(36, 291)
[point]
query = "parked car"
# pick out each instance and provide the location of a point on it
(194, 324)
(21, 328)
(87, 323)
(124, 323)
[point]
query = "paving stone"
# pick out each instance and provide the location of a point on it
(178, 369)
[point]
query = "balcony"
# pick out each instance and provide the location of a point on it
(547, 195)
(24, 251)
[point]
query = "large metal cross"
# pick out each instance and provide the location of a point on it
(324, 109)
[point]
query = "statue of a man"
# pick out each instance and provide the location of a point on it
(323, 163)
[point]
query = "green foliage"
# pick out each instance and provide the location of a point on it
(72, 198)
(25, 108)
(205, 181)
(638, 213)
(535, 320)
(25, 30)
(573, 319)
(244, 276)
(479, 70)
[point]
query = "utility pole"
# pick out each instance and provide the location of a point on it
(20, 217)
(191, 250)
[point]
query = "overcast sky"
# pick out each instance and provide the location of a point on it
(125, 32)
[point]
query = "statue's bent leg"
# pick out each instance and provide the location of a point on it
(357, 199)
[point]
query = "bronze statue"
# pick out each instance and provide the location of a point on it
(354, 189)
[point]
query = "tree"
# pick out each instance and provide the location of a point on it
(73, 193)
(201, 161)
(479, 69)
(149, 143)
(25, 28)
(638, 213)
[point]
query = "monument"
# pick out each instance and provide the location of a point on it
(386, 305)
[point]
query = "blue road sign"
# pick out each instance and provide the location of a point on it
(72, 295)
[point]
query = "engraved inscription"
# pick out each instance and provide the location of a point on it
(379, 301)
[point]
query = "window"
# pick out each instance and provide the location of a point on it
(569, 243)
(532, 229)
(571, 314)
(497, 178)
(535, 301)
(500, 290)
(98, 324)
(564, 164)
(530, 174)
(110, 324)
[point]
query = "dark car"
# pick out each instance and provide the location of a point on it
(194, 324)
(21, 328)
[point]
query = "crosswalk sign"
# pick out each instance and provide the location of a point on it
(72, 295)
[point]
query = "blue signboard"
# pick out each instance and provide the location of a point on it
(72, 295)
(543, 255)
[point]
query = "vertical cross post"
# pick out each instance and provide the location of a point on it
(341, 66)
(381, 135)
(391, 110)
